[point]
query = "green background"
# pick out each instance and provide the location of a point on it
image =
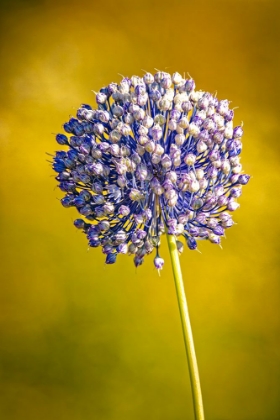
(81, 340)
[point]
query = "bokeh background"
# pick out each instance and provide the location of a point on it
(81, 340)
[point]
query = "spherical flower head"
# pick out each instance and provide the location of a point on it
(153, 155)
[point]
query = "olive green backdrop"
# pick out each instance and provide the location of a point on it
(81, 340)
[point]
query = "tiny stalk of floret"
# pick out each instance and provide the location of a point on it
(186, 326)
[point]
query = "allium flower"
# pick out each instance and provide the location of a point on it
(154, 153)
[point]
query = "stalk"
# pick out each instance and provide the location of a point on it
(187, 330)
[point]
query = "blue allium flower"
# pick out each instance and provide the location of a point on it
(155, 152)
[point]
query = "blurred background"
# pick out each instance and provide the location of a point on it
(81, 340)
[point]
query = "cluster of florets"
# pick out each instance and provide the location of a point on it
(155, 156)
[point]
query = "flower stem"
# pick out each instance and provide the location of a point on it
(187, 330)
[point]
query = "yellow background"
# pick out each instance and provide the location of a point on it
(81, 340)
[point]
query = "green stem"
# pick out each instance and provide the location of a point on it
(187, 330)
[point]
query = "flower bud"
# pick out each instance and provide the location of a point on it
(166, 82)
(148, 121)
(159, 262)
(232, 205)
(101, 98)
(215, 239)
(194, 130)
(108, 208)
(135, 195)
(190, 159)
(243, 179)
(194, 186)
(187, 106)
(201, 147)
(138, 261)
(111, 258)
(148, 78)
(191, 242)
(180, 139)
(139, 115)
(156, 187)
(199, 173)
(156, 132)
(176, 78)
(183, 122)
(172, 125)
(166, 162)
(190, 85)
(226, 167)
(155, 158)
(235, 192)
(237, 132)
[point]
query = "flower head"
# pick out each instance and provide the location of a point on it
(155, 154)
